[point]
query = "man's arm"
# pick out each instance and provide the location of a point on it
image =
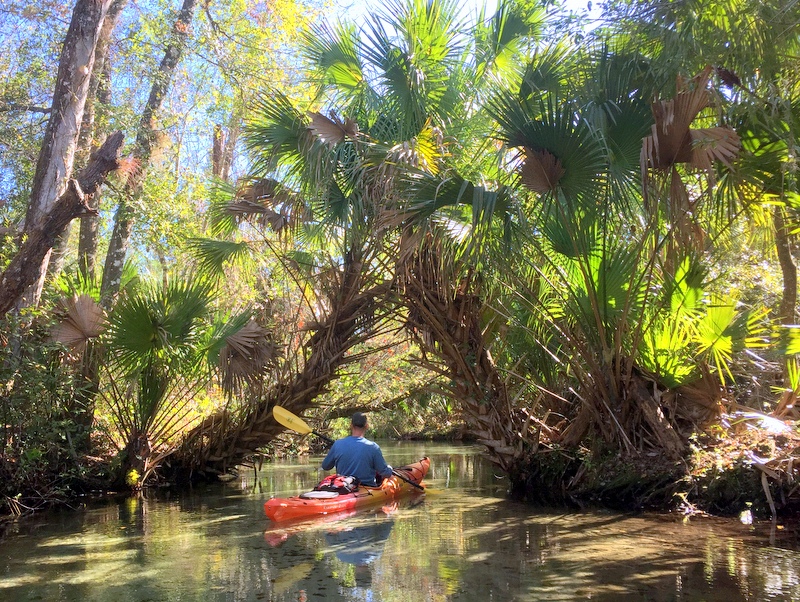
(381, 467)
(330, 460)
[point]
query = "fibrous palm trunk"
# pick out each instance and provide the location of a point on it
(227, 439)
(447, 325)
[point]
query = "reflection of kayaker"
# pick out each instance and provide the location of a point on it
(360, 545)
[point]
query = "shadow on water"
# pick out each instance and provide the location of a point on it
(462, 542)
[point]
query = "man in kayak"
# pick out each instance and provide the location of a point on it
(357, 456)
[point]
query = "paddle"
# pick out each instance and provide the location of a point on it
(285, 418)
(291, 421)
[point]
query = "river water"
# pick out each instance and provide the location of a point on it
(462, 541)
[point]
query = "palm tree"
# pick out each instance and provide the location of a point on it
(159, 350)
(606, 287)
(367, 174)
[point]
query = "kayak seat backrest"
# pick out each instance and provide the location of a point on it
(319, 495)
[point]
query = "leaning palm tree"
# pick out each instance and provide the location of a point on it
(367, 177)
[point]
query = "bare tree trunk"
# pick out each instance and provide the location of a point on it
(217, 149)
(222, 151)
(56, 158)
(41, 237)
(145, 141)
(788, 268)
(100, 96)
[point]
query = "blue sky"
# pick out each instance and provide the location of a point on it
(355, 9)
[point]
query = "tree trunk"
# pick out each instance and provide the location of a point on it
(145, 140)
(224, 143)
(788, 268)
(99, 96)
(40, 239)
(56, 158)
(99, 93)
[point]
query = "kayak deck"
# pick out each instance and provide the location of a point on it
(281, 509)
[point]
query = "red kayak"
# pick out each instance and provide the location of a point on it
(317, 503)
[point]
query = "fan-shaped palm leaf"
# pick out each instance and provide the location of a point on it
(82, 319)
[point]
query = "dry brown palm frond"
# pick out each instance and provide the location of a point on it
(672, 140)
(261, 197)
(83, 319)
(332, 131)
(264, 191)
(245, 355)
(541, 170)
(713, 144)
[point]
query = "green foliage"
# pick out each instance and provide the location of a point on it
(155, 345)
(42, 428)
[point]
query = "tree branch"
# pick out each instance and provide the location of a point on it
(22, 272)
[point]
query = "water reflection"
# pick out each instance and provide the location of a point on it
(461, 542)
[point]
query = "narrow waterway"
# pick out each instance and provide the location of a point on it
(463, 541)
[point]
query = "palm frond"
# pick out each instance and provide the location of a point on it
(557, 134)
(213, 255)
(81, 319)
(499, 41)
(333, 54)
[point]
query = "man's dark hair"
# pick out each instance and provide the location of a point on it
(359, 420)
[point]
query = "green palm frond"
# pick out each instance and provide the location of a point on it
(213, 255)
(412, 49)
(665, 350)
(157, 325)
(333, 55)
(499, 40)
(566, 152)
(547, 71)
(715, 333)
(684, 290)
(220, 221)
(277, 135)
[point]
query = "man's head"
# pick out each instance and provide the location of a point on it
(358, 421)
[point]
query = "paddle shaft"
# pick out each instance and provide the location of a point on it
(407, 480)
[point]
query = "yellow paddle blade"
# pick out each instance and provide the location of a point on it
(290, 421)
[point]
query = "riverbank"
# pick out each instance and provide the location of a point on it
(748, 466)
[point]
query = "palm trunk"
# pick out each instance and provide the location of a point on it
(447, 325)
(145, 140)
(223, 440)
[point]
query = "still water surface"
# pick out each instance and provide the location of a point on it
(461, 542)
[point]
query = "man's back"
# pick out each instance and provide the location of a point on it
(358, 457)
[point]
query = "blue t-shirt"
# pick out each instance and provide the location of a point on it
(358, 457)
